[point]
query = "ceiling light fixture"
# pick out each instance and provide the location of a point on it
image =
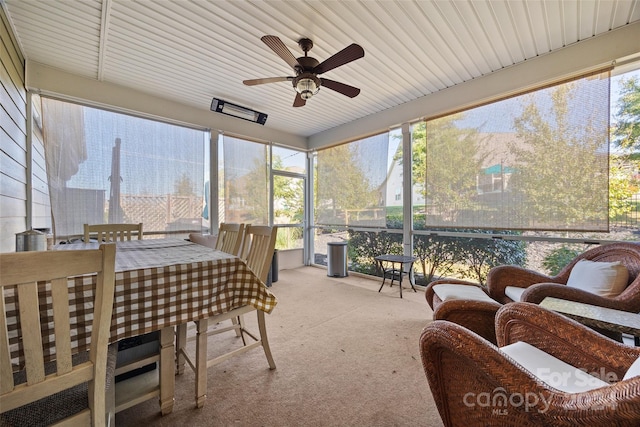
(230, 109)
(307, 85)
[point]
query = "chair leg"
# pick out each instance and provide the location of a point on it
(241, 329)
(181, 344)
(235, 321)
(263, 338)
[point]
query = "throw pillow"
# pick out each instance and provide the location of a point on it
(607, 279)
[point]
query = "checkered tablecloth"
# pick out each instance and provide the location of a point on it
(160, 283)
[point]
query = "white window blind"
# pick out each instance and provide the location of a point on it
(246, 178)
(105, 167)
(537, 161)
(351, 181)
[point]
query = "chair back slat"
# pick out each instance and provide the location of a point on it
(257, 249)
(6, 371)
(230, 238)
(61, 324)
(41, 281)
(31, 342)
(112, 232)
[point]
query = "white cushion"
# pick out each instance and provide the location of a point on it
(514, 292)
(633, 371)
(551, 370)
(607, 279)
(451, 291)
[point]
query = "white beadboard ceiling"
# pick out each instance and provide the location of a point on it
(192, 51)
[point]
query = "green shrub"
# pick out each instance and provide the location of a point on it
(558, 258)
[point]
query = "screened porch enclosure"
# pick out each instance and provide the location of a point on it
(516, 181)
(524, 180)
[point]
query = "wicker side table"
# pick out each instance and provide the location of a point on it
(597, 317)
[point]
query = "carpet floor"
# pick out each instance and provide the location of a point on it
(346, 355)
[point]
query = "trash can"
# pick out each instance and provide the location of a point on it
(274, 266)
(31, 240)
(337, 259)
(273, 270)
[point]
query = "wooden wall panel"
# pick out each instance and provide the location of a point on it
(13, 170)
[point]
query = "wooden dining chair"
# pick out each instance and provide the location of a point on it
(257, 251)
(230, 237)
(112, 232)
(69, 387)
(258, 248)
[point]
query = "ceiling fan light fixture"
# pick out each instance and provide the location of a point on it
(307, 86)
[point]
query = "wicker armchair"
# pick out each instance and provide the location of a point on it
(540, 286)
(477, 316)
(474, 383)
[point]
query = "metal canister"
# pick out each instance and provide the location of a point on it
(31, 240)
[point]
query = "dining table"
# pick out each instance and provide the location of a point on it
(160, 284)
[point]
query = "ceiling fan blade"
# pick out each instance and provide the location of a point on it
(346, 55)
(342, 88)
(281, 50)
(299, 102)
(254, 82)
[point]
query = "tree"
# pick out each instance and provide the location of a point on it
(559, 174)
(621, 186)
(256, 192)
(626, 135)
(342, 185)
(626, 130)
(184, 186)
(288, 195)
(446, 161)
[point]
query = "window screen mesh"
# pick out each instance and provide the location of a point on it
(246, 178)
(105, 167)
(351, 182)
(538, 161)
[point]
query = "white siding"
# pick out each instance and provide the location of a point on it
(13, 139)
(14, 182)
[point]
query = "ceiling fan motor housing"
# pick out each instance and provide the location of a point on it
(306, 84)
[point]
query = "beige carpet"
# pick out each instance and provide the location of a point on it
(346, 355)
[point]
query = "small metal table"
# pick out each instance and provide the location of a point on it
(394, 272)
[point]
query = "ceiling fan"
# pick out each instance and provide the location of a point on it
(306, 81)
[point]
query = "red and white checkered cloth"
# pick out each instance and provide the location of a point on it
(160, 283)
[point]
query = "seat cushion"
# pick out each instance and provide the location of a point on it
(451, 291)
(550, 370)
(514, 292)
(607, 279)
(633, 371)
(60, 405)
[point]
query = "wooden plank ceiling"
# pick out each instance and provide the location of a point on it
(191, 51)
